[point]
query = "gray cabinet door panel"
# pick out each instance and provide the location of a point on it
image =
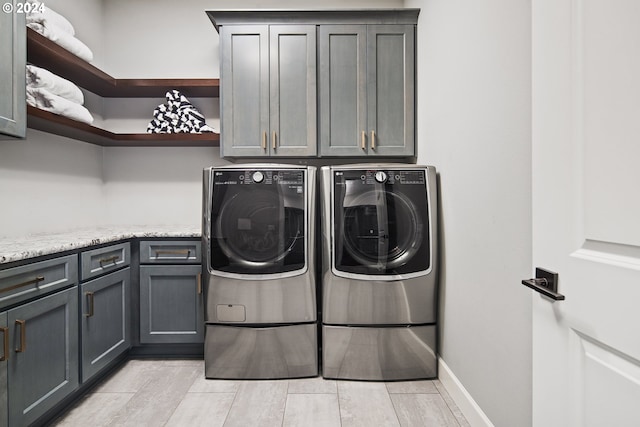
(46, 370)
(293, 90)
(13, 51)
(104, 321)
(390, 101)
(343, 90)
(4, 395)
(244, 74)
(171, 308)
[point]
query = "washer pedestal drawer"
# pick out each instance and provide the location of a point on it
(379, 353)
(243, 352)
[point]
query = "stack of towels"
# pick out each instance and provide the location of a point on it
(46, 90)
(177, 115)
(58, 29)
(55, 94)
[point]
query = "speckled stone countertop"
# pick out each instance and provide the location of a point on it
(24, 247)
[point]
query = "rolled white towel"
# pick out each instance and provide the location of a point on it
(45, 79)
(45, 100)
(49, 16)
(64, 39)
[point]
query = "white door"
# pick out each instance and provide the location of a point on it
(586, 211)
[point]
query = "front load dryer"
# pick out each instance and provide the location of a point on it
(259, 272)
(379, 281)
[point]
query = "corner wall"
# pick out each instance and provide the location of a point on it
(474, 126)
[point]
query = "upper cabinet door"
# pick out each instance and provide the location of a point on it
(268, 90)
(343, 90)
(244, 90)
(391, 89)
(13, 51)
(367, 90)
(293, 90)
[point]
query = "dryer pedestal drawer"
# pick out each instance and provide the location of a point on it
(288, 351)
(379, 353)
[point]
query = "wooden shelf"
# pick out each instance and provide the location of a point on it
(46, 54)
(60, 125)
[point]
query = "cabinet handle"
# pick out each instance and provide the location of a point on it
(273, 140)
(373, 139)
(264, 140)
(185, 252)
(23, 335)
(363, 141)
(90, 303)
(5, 340)
(199, 283)
(38, 279)
(112, 259)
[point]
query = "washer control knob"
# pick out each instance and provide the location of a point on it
(381, 176)
(257, 177)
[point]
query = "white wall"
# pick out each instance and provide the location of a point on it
(474, 125)
(168, 39)
(49, 183)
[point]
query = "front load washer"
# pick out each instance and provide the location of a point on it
(379, 281)
(259, 271)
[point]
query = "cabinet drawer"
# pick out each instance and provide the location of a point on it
(98, 261)
(170, 252)
(21, 283)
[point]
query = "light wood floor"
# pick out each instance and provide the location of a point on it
(175, 393)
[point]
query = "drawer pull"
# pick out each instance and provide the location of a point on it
(264, 140)
(185, 252)
(273, 140)
(38, 279)
(112, 259)
(363, 142)
(5, 340)
(23, 335)
(373, 139)
(199, 283)
(89, 303)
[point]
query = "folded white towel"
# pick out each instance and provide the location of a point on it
(49, 16)
(39, 77)
(64, 39)
(45, 100)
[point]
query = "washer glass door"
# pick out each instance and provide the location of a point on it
(258, 221)
(381, 228)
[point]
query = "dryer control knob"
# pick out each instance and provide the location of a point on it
(381, 176)
(257, 177)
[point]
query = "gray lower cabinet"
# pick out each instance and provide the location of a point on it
(105, 321)
(171, 304)
(367, 90)
(4, 362)
(268, 98)
(42, 365)
(13, 51)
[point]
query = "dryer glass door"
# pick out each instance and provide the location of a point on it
(381, 228)
(258, 227)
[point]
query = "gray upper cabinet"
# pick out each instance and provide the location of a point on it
(356, 100)
(13, 51)
(268, 90)
(367, 90)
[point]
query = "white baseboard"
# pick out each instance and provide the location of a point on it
(470, 409)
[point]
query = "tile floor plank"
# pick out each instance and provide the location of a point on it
(312, 410)
(202, 409)
(258, 403)
(365, 404)
(312, 385)
(424, 387)
(423, 410)
(95, 409)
